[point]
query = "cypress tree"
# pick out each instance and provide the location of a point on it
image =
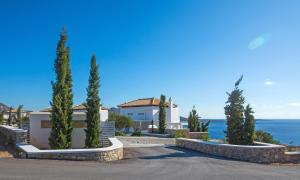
(162, 114)
(234, 111)
(249, 126)
(9, 120)
(19, 116)
(62, 98)
(93, 106)
(1, 118)
(193, 121)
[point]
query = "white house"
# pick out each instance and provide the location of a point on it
(40, 126)
(147, 109)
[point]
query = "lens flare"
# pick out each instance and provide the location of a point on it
(259, 41)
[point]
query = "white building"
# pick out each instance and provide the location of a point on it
(147, 109)
(40, 126)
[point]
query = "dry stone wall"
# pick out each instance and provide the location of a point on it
(260, 153)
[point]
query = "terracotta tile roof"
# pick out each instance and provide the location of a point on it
(143, 102)
(14, 111)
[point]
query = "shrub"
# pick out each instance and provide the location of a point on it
(120, 133)
(181, 134)
(205, 137)
(137, 133)
(121, 122)
(204, 126)
(265, 137)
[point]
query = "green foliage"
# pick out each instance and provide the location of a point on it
(152, 124)
(10, 117)
(204, 126)
(249, 126)
(93, 105)
(137, 133)
(181, 133)
(193, 121)
(120, 133)
(1, 118)
(62, 98)
(205, 137)
(162, 114)
(234, 111)
(25, 119)
(18, 117)
(265, 137)
(121, 122)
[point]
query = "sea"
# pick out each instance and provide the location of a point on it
(286, 131)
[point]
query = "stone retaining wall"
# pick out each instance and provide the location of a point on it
(198, 135)
(111, 153)
(292, 157)
(146, 140)
(260, 153)
(10, 135)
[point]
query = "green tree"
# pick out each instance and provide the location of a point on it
(10, 117)
(204, 126)
(193, 121)
(249, 126)
(265, 137)
(62, 98)
(162, 114)
(18, 116)
(93, 106)
(121, 122)
(234, 111)
(1, 118)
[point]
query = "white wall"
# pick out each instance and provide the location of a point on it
(134, 113)
(103, 114)
(151, 112)
(39, 136)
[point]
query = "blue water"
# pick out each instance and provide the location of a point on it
(286, 131)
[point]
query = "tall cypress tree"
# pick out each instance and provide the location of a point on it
(249, 126)
(68, 101)
(162, 114)
(19, 116)
(1, 118)
(93, 106)
(10, 118)
(193, 121)
(234, 111)
(62, 98)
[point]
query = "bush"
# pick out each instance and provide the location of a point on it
(120, 133)
(265, 137)
(205, 137)
(137, 133)
(181, 134)
(121, 122)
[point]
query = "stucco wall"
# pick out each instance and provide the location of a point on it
(39, 136)
(261, 153)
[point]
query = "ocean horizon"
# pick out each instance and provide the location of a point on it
(287, 131)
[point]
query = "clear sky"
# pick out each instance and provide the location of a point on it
(192, 50)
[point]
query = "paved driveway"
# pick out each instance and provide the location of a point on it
(159, 163)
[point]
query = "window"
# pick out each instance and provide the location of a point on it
(130, 114)
(141, 114)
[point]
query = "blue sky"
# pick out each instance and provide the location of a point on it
(191, 50)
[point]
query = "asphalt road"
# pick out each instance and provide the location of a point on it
(159, 163)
